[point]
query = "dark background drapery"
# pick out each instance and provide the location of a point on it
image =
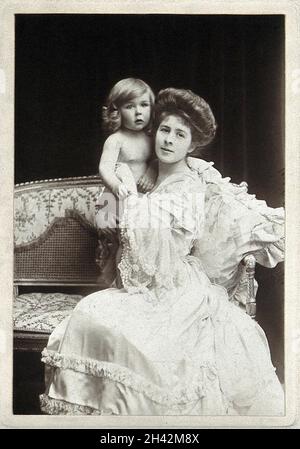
(66, 64)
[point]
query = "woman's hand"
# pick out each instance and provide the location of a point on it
(147, 181)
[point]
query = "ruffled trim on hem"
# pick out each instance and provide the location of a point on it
(117, 373)
(59, 407)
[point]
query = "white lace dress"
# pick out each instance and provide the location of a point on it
(169, 342)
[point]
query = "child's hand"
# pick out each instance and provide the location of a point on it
(123, 192)
(147, 181)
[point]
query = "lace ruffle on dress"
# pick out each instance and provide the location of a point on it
(169, 342)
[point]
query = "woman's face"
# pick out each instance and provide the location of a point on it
(173, 140)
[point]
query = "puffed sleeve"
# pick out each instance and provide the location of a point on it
(157, 231)
(237, 224)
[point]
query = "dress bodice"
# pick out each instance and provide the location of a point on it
(158, 231)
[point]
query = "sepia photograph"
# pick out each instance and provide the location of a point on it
(149, 216)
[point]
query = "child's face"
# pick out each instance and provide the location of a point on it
(136, 113)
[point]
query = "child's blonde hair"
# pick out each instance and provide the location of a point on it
(122, 92)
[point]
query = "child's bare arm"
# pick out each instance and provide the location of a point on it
(107, 165)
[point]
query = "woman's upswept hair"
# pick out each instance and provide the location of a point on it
(192, 109)
(122, 92)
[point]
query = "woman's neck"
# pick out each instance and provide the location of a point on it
(165, 170)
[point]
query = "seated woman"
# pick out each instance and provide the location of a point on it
(169, 342)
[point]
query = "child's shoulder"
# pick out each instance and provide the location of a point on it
(114, 139)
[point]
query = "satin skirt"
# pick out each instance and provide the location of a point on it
(193, 354)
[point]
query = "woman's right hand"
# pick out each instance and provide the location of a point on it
(148, 180)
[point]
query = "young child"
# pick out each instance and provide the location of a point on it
(127, 151)
(124, 163)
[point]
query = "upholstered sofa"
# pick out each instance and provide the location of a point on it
(59, 256)
(55, 258)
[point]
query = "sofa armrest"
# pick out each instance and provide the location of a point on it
(243, 294)
(249, 261)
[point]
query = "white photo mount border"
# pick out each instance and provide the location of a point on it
(291, 11)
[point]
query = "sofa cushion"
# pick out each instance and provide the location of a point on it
(42, 311)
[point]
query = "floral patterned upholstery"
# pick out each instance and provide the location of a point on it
(37, 207)
(42, 311)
